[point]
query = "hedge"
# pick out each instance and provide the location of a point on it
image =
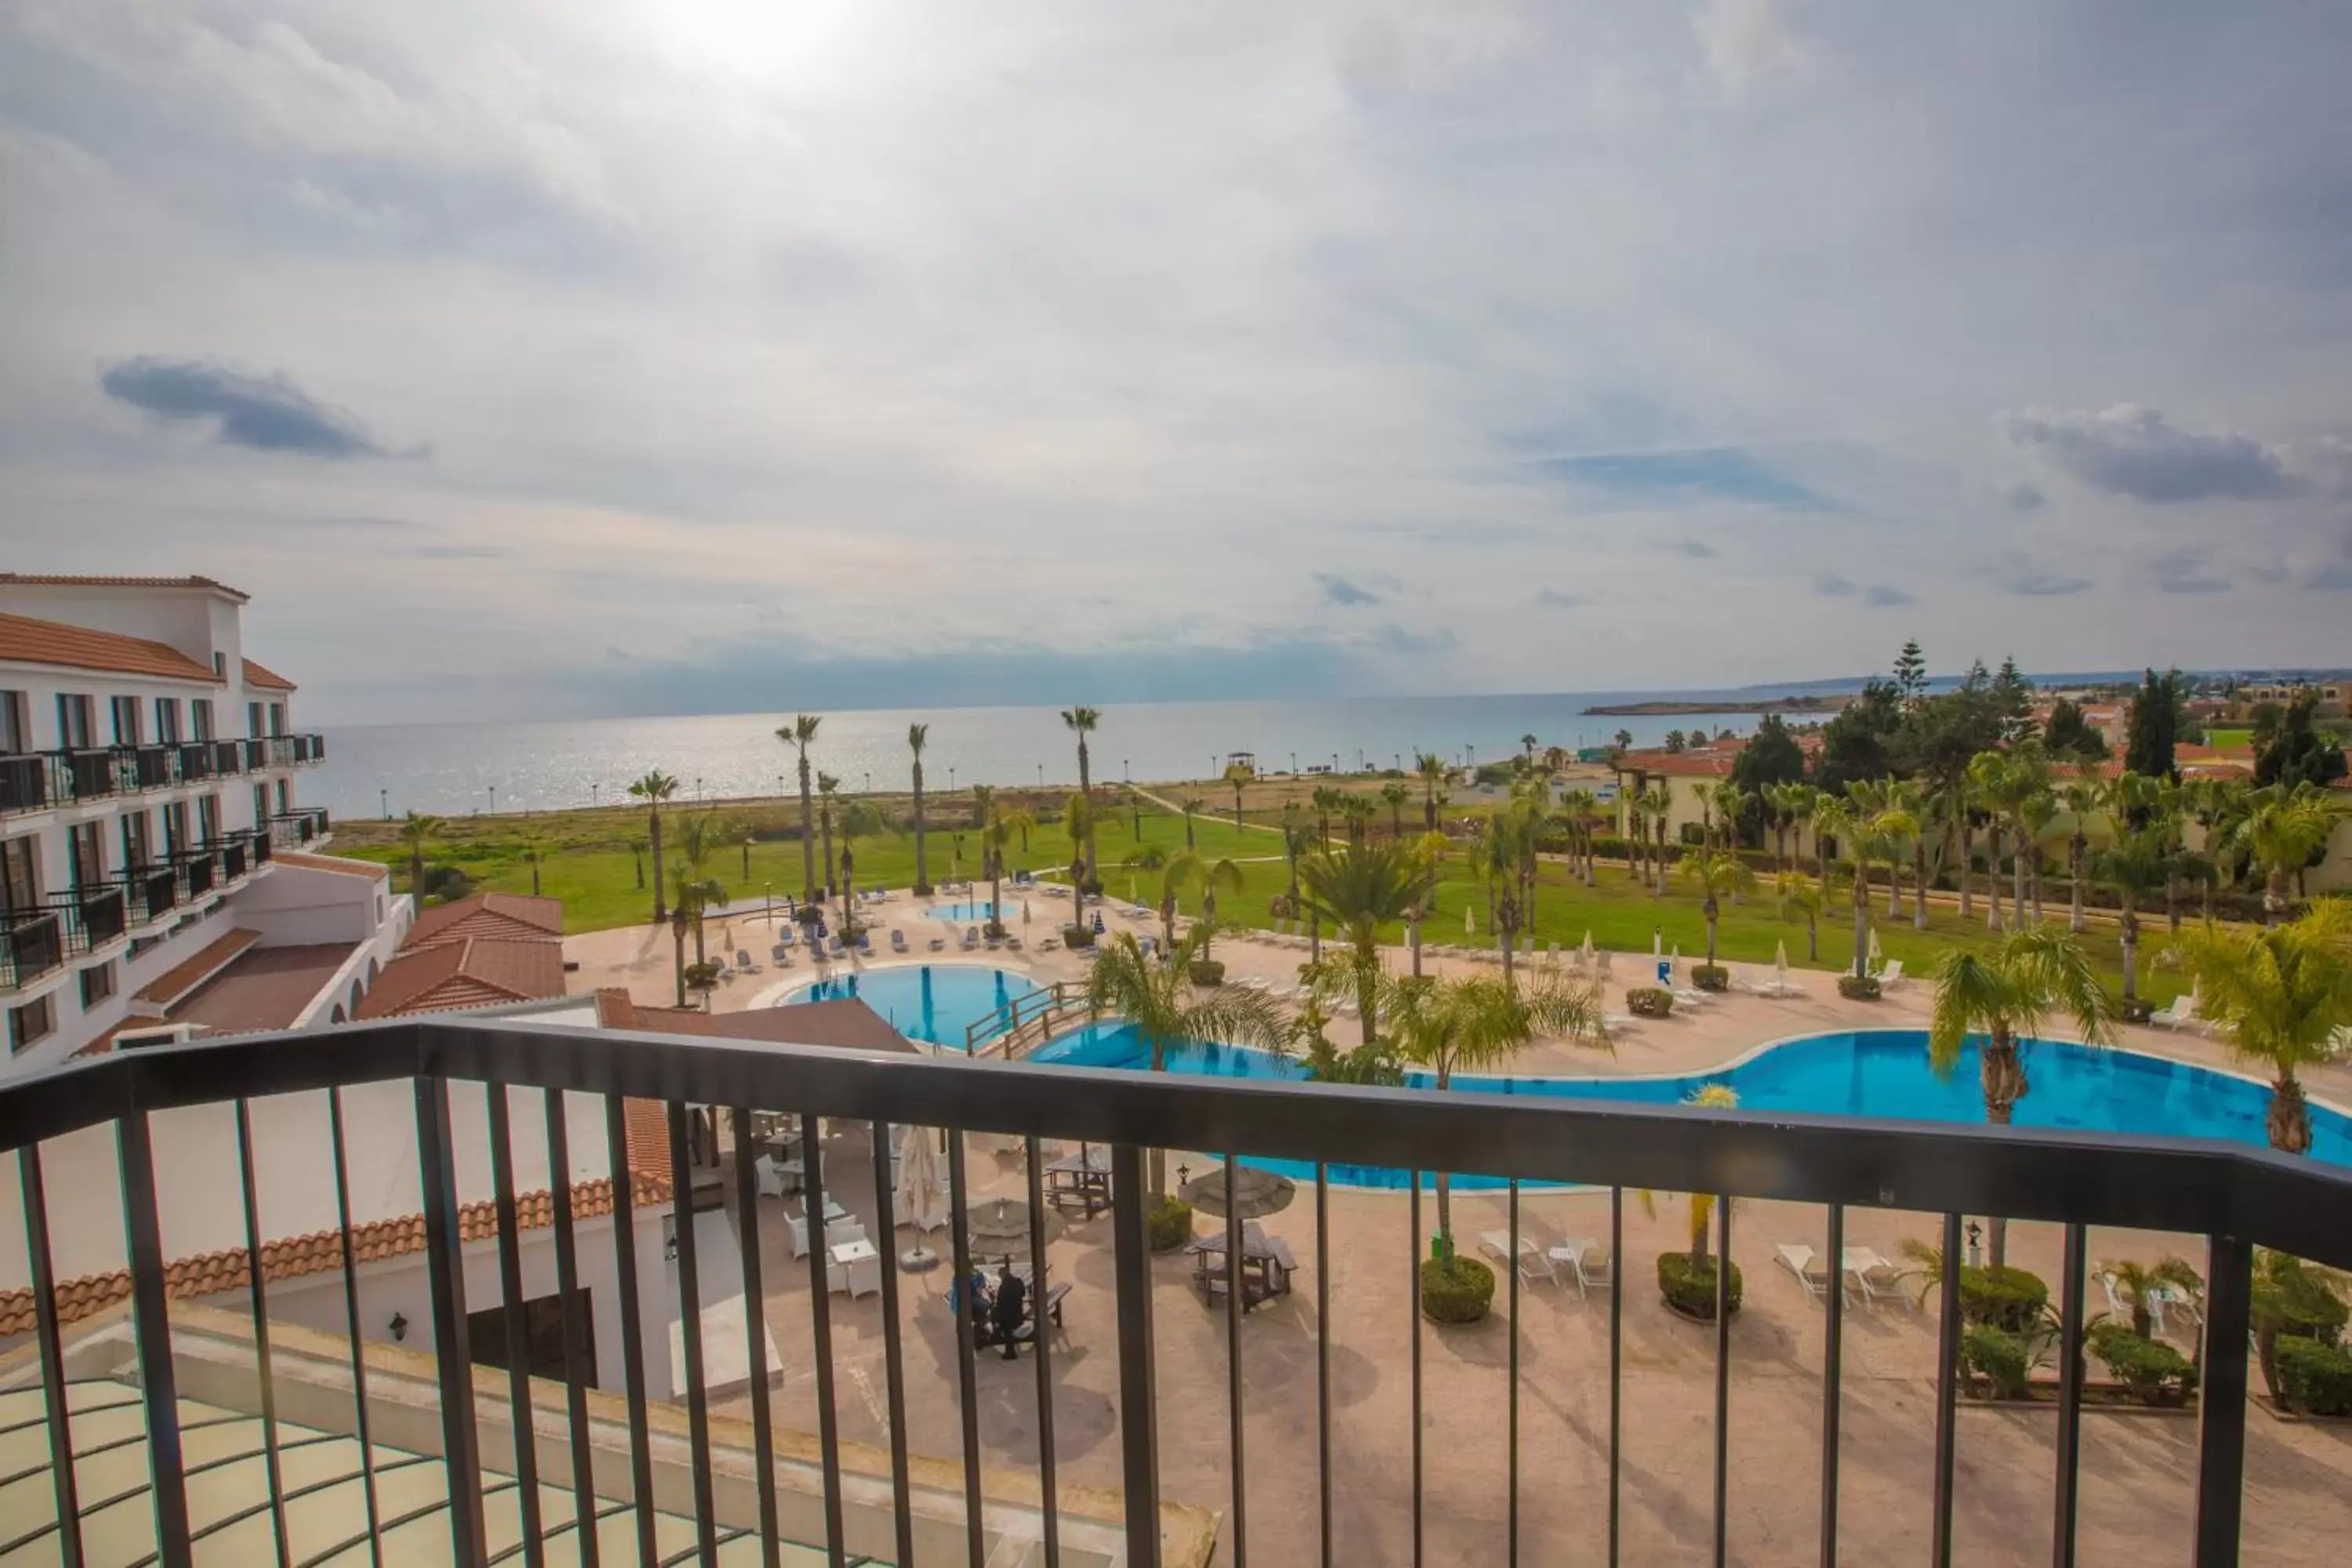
(2315, 1377)
(1711, 977)
(1649, 1002)
(2153, 1372)
(2009, 1299)
(1456, 1290)
(1171, 1225)
(1688, 1285)
(1997, 1357)
(1858, 987)
(1078, 935)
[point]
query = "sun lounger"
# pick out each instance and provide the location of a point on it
(743, 962)
(2182, 1011)
(1050, 944)
(938, 944)
(1806, 1264)
(780, 955)
(1617, 1023)
(1534, 1262)
(1876, 1278)
(1589, 1264)
(1891, 976)
(898, 940)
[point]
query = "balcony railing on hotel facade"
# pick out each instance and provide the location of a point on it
(293, 829)
(41, 780)
(149, 892)
(61, 927)
(2236, 1198)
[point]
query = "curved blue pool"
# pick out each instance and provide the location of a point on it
(933, 1002)
(1869, 1072)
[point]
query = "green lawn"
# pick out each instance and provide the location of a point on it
(2227, 738)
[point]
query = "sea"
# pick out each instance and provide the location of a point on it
(448, 770)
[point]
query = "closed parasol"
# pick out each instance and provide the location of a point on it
(999, 1227)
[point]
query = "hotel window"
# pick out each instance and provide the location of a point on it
(97, 985)
(200, 718)
(261, 806)
(167, 719)
(285, 797)
(31, 1024)
(134, 839)
(126, 719)
(87, 851)
(175, 828)
(208, 818)
(277, 717)
(77, 720)
(20, 876)
(253, 720)
(15, 725)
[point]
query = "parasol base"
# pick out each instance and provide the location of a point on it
(918, 1261)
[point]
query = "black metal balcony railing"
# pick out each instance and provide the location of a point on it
(293, 829)
(89, 917)
(197, 872)
(233, 857)
(2237, 1197)
(195, 761)
(32, 945)
(146, 767)
(229, 758)
(24, 784)
(149, 893)
(256, 754)
(90, 774)
(257, 845)
(281, 750)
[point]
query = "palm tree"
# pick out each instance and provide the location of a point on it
(2282, 831)
(1528, 744)
(2004, 994)
(2136, 866)
(1707, 1097)
(1395, 792)
(1429, 851)
(827, 786)
(1788, 804)
(1714, 872)
(1239, 775)
(2081, 798)
(1078, 822)
(1472, 1024)
(2140, 1285)
(1005, 820)
(1808, 896)
(1658, 804)
(1358, 811)
(797, 735)
(1432, 771)
(1992, 785)
(653, 789)
(699, 839)
(1880, 829)
(1829, 817)
(859, 817)
(637, 854)
(1910, 797)
(1731, 803)
(1185, 869)
(918, 736)
(2278, 994)
(1188, 806)
(1361, 889)
(1326, 801)
(1159, 1001)
(1637, 834)
(1081, 722)
(416, 830)
(534, 852)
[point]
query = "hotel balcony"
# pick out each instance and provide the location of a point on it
(298, 830)
(146, 767)
(150, 894)
(32, 947)
(198, 874)
(45, 781)
(1167, 1453)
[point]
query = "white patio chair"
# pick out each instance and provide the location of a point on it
(1534, 1263)
(1806, 1264)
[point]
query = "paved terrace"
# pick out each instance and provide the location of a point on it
(2137, 1470)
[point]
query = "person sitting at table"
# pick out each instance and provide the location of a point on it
(1011, 1310)
(982, 1299)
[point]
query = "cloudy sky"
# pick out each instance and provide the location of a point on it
(547, 357)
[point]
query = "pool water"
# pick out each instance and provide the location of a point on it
(933, 1002)
(970, 911)
(1870, 1072)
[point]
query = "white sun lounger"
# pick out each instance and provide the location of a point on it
(1806, 1264)
(1876, 1278)
(1588, 1261)
(1534, 1262)
(2182, 1011)
(1891, 976)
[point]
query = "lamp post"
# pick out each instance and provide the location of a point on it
(592, 796)
(1041, 775)
(494, 800)
(1294, 762)
(383, 803)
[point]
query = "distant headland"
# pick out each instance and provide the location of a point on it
(1828, 704)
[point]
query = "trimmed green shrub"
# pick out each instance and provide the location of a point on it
(2153, 1372)
(1456, 1290)
(1858, 987)
(1208, 971)
(701, 976)
(1711, 977)
(1688, 1285)
(1649, 1002)
(1077, 934)
(1171, 1225)
(2315, 1378)
(2012, 1300)
(1997, 1358)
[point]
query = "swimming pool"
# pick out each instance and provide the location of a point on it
(1868, 1073)
(933, 1002)
(970, 910)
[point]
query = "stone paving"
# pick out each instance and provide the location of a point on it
(2138, 1470)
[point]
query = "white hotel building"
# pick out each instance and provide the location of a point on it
(154, 880)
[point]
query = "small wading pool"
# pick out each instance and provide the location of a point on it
(1880, 1073)
(932, 1002)
(970, 911)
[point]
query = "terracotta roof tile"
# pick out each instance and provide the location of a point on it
(73, 580)
(260, 675)
(23, 640)
(477, 971)
(512, 917)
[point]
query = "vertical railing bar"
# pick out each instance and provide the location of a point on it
(967, 1325)
(821, 1329)
(1616, 1367)
(1511, 1504)
(1412, 1307)
(1139, 1434)
(894, 1369)
(517, 1324)
(1240, 1464)
(2221, 1403)
(52, 1348)
(632, 1340)
(352, 1320)
(689, 1323)
(1047, 1491)
(1323, 1354)
(2073, 1280)
(575, 1344)
(1832, 1382)
(1723, 1380)
(755, 1326)
(257, 1293)
(1947, 1366)
(151, 1313)
(452, 1345)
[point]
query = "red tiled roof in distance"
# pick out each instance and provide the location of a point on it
(74, 580)
(23, 640)
(507, 917)
(259, 675)
(479, 971)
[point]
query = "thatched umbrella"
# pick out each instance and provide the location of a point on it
(1256, 1193)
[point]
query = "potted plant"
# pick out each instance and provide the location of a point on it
(1687, 1280)
(1649, 1001)
(1172, 1223)
(1456, 1290)
(1858, 987)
